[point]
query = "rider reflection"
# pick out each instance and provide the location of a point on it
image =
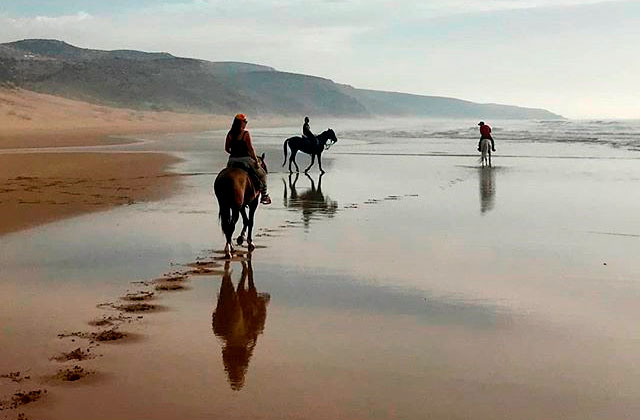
(310, 201)
(487, 189)
(238, 319)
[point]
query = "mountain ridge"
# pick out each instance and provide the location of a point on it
(162, 81)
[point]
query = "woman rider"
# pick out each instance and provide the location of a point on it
(238, 145)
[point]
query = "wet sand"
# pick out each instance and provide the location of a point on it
(434, 290)
(39, 188)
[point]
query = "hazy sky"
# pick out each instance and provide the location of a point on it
(579, 58)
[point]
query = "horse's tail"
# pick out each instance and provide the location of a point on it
(224, 210)
(285, 151)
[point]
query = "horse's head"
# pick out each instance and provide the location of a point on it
(262, 163)
(331, 138)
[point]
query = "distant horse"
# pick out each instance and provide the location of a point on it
(485, 152)
(236, 192)
(306, 145)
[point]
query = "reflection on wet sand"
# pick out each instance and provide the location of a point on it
(310, 201)
(238, 319)
(487, 189)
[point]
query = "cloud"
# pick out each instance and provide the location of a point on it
(61, 20)
(45, 21)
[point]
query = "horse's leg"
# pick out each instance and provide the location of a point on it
(294, 152)
(489, 157)
(245, 221)
(225, 221)
(313, 160)
(228, 248)
(320, 162)
(252, 211)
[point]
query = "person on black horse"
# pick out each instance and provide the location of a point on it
(306, 132)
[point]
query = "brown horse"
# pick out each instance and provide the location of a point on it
(236, 192)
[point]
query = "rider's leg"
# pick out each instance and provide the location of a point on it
(262, 175)
(493, 145)
(479, 143)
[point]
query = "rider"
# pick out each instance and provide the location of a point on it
(238, 145)
(306, 132)
(485, 133)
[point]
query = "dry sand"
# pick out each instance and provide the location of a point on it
(36, 188)
(29, 119)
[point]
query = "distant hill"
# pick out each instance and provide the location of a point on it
(161, 81)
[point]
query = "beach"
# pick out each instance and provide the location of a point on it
(407, 282)
(40, 186)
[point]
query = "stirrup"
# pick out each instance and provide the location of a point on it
(265, 199)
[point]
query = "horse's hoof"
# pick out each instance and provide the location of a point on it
(251, 246)
(240, 240)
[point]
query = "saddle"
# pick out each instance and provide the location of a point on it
(308, 141)
(253, 176)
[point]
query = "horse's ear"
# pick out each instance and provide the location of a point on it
(262, 157)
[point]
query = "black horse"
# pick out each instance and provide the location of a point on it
(307, 146)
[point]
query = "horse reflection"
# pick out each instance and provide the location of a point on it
(487, 189)
(310, 201)
(238, 319)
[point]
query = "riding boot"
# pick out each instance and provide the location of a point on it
(493, 146)
(264, 196)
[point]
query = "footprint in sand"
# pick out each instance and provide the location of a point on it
(21, 398)
(138, 296)
(169, 287)
(16, 377)
(77, 354)
(108, 321)
(72, 374)
(137, 307)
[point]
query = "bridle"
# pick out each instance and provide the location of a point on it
(329, 143)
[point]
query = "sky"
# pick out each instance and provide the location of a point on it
(578, 58)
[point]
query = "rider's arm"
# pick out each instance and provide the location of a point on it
(306, 130)
(252, 153)
(227, 144)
